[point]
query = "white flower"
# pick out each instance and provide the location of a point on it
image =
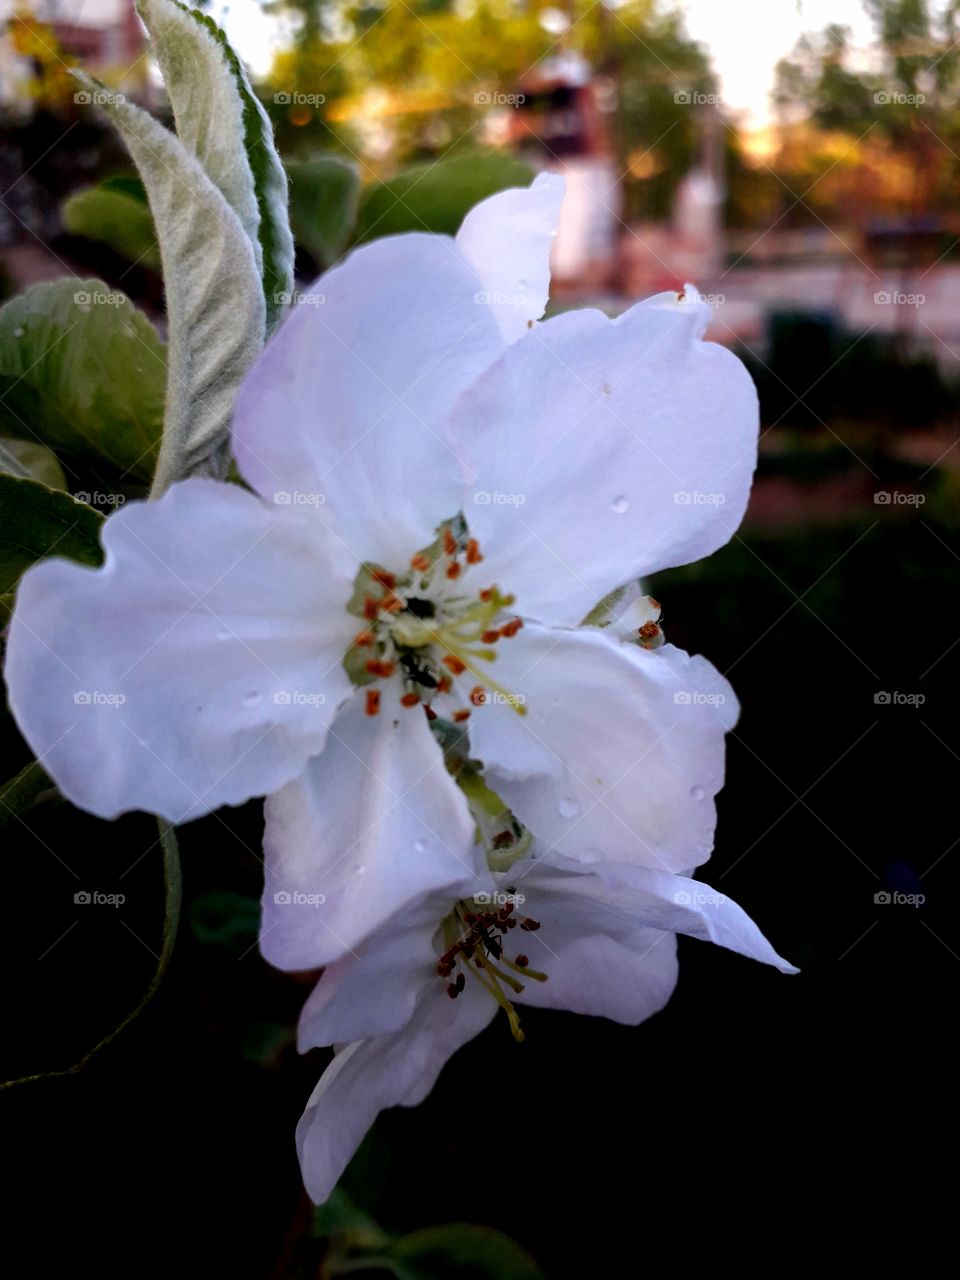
(443, 490)
(430, 979)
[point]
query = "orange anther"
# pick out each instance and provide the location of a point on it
(512, 627)
(370, 608)
(454, 664)
(391, 603)
(460, 716)
(420, 562)
(490, 637)
(410, 699)
(473, 551)
(364, 639)
(449, 542)
(385, 579)
(453, 569)
(373, 701)
(377, 668)
(486, 595)
(444, 684)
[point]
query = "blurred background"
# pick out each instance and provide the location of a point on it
(800, 163)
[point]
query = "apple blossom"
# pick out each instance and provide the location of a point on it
(549, 933)
(442, 489)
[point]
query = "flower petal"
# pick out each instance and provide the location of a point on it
(620, 752)
(201, 665)
(344, 411)
(507, 239)
(387, 1071)
(603, 450)
(372, 824)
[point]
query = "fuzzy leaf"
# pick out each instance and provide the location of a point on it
(215, 303)
(220, 119)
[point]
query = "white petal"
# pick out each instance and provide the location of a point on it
(603, 450)
(507, 239)
(376, 991)
(655, 899)
(620, 752)
(387, 1071)
(201, 665)
(344, 412)
(372, 824)
(599, 958)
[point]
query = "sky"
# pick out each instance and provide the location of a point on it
(745, 39)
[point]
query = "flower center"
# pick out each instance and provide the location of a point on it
(428, 628)
(475, 934)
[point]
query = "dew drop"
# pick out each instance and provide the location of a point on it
(697, 793)
(19, 331)
(419, 846)
(569, 808)
(620, 505)
(359, 869)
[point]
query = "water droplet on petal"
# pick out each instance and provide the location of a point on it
(419, 846)
(359, 869)
(620, 505)
(569, 808)
(697, 793)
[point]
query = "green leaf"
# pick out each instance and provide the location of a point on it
(36, 522)
(28, 788)
(29, 461)
(215, 302)
(173, 898)
(324, 196)
(83, 371)
(438, 196)
(463, 1250)
(220, 119)
(118, 220)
